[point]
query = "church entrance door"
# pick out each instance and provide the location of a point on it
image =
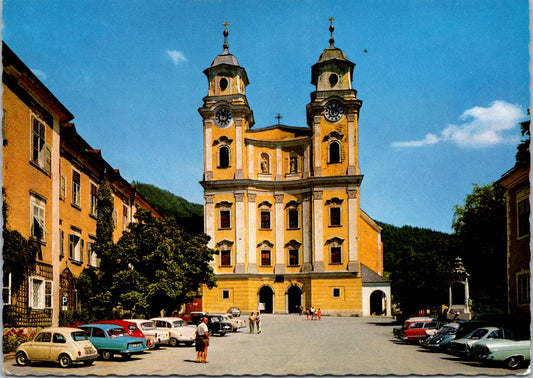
(376, 302)
(266, 296)
(294, 299)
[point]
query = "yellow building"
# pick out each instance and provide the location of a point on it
(282, 202)
(50, 178)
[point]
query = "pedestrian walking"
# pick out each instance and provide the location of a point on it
(319, 314)
(251, 322)
(258, 322)
(202, 341)
(312, 311)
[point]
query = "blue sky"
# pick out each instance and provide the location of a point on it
(443, 84)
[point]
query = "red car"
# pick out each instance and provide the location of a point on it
(414, 329)
(130, 327)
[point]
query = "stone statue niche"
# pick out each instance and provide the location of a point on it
(459, 308)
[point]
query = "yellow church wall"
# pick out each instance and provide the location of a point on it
(349, 302)
(369, 245)
(337, 169)
(335, 231)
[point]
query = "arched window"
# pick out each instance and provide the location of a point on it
(335, 250)
(223, 157)
(334, 152)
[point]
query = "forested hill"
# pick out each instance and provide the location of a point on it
(189, 215)
(396, 240)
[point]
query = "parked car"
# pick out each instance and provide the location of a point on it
(178, 330)
(414, 330)
(397, 330)
(235, 323)
(235, 311)
(442, 338)
(463, 346)
(214, 324)
(511, 353)
(110, 339)
(57, 344)
(156, 338)
(130, 327)
(483, 320)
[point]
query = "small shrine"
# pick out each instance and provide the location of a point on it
(459, 308)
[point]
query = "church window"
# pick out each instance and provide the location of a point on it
(225, 294)
(265, 257)
(223, 83)
(265, 219)
(293, 218)
(333, 79)
(294, 257)
(225, 258)
(336, 292)
(225, 219)
(335, 216)
(334, 154)
(336, 255)
(224, 157)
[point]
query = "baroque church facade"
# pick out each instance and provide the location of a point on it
(281, 203)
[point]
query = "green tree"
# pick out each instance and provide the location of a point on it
(523, 155)
(162, 267)
(480, 227)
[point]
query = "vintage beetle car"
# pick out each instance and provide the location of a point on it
(414, 329)
(463, 347)
(110, 339)
(235, 323)
(512, 353)
(57, 344)
(442, 338)
(178, 330)
(154, 337)
(214, 324)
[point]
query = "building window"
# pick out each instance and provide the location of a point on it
(6, 289)
(40, 293)
(38, 228)
(62, 186)
(334, 153)
(92, 259)
(4, 127)
(76, 188)
(125, 217)
(265, 257)
(75, 247)
(225, 217)
(115, 219)
(523, 217)
(265, 220)
(225, 257)
(94, 199)
(61, 244)
(336, 292)
(294, 257)
(293, 218)
(522, 285)
(225, 294)
(223, 157)
(41, 151)
(334, 216)
(336, 257)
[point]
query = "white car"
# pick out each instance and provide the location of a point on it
(236, 323)
(179, 331)
(155, 336)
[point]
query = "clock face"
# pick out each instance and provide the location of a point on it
(223, 117)
(334, 111)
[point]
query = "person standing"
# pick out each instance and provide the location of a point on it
(251, 321)
(258, 322)
(202, 341)
(319, 314)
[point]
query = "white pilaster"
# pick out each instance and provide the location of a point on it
(238, 150)
(317, 144)
(208, 151)
(318, 231)
(240, 235)
(279, 165)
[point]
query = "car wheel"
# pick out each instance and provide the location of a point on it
(22, 359)
(174, 342)
(513, 362)
(65, 361)
(107, 355)
(126, 356)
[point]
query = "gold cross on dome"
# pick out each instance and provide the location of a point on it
(331, 19)
(225, 24)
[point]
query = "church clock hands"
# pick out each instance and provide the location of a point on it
(333, 112)
(223, 117)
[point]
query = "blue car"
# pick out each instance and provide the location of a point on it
(111, 339)
(440, 341)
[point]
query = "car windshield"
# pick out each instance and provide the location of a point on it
(477, 334)
(178, 323)
(448, 331)
(79, 336)
(115, 332)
